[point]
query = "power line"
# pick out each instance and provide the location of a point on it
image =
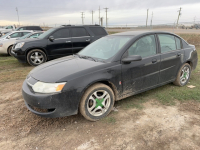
(92, 16)
(178, 16)
(99, 15)
(151, 20)
(147, 16)
(106, 17)
(82, 16)
(17, 15)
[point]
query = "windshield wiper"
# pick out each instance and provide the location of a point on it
(86, 57)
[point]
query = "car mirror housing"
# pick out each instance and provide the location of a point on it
(51, 38)
(8, 37)
(131, 58)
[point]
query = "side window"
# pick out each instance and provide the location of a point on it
(15, 35)
(145, 47)
(62, 33)
(35, 35)
(24, 33)
(22, 28)
(167, 42)
(178, 43)
(78, 32)
(98, 31)
(9, 27)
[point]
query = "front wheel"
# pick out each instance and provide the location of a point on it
(9, 50)
(183, 75)
(97, 102)
(36, 57)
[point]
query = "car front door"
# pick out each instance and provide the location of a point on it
(61, 45)
(144, 74)
(172, 57)
(80, 38)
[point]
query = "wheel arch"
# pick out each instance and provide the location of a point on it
(9, 47)
(32, 48)
(106, 82)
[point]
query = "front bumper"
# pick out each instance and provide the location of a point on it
(54, 105)
(20, 55)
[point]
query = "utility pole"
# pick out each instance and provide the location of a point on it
(82, 16)
(99, 16)
(92, 16)
(106, 17)
(178, 17)
(151, 20)
(147, 16)
(17, 15)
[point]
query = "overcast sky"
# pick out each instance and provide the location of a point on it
(120, 12)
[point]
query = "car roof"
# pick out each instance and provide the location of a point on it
(23, 31)
(29, 26)
(135, 33)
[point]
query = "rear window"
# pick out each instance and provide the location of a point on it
(98, 31)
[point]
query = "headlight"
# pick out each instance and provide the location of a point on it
(19, 45)
(1, 44)
(41, 87)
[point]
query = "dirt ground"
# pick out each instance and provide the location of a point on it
(154, 126)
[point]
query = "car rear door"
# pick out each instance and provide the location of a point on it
(61, 45)
(172, 56)
(144, 74)
(80, 38)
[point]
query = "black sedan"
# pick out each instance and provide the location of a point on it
(110, 69)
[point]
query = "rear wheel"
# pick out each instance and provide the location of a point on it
(97, 102)
(36, 57)
(183, 75)
(9, 50)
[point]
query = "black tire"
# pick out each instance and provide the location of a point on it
(9, 50)
(106, 107)
(34, 60)
(182, 75)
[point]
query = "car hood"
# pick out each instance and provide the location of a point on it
(28, 40)
(63, 69)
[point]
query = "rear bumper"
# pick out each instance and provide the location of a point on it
(48, 105)
(3, 50)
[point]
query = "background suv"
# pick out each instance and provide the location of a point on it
(57, 42)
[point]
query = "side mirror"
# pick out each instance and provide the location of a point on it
(131, 58)
(8, 37)
(51, 38)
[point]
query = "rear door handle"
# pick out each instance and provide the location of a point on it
(68, 41)
(154, 61)
(87, 40)
(179, 54)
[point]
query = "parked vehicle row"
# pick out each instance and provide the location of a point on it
(56, 42)
(7, 41)
(109, 69)
(8, 29)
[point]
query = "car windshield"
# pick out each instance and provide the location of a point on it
(25, 36)
(105, 47)
(5, 35)
(46, 33)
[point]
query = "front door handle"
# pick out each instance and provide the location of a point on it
(154, 61)
(179, 54)
(68, 41)
(87, 40)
